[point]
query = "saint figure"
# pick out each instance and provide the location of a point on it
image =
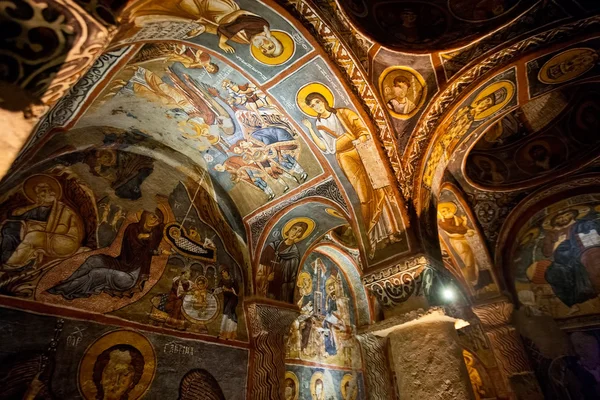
(230, 289)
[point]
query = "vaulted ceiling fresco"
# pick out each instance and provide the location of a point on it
(320, 167)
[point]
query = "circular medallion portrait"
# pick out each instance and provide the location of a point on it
(275, 50)
(568, 65)
(404, 91)
(480, 10)
(291, 386)
(542, 154)
(119, 365)
(492, 99)
(486, 169)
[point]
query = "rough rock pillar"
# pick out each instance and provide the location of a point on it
(377, 374)
(268, 323)
(508, 349)
(426, 356)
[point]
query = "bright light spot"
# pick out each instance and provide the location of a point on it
(448, 294)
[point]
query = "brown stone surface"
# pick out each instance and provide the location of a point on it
(428, 360)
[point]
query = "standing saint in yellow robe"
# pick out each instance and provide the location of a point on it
(341, 131)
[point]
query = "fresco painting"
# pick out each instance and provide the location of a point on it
(556, 254)
(559, 68)
(84, 360)
(324, 331)
(533, 152)
(348, 145)
(404, 91)
(465, 244)
(285, 246)
(226, 122)
(325, 384)
(497, 94)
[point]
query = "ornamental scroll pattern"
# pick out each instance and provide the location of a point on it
(343, 56)
(267, 327)
(67, 107)
(395, 285)
(48, 46)
(414, 159)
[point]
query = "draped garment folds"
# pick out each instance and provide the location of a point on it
(456, 231)
(116, 275)
(378, 213)
(286, 259)
(573, 269)
(56, 231)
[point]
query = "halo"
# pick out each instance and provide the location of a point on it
(304, 277)
(87, 388)
(538, 142)
(288, 44)
(347, 378)
(528, 236)
(291, 222)
(293, 377)
(335, 213)
(449, 205)
(582, 211)
(34, 180)
(313, 381)
(510, 92)
(562, 57)
(308, 89)
(390, 74)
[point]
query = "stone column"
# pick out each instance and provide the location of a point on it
(268, 323)
(376, 366)
(426, 356)
(508, 349)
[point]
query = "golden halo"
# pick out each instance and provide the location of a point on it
(449, 205)
(390, 73)
(289, 47)
(313, 381)
(87, 387)
(529, 236)
(291, 222)
(34, 180)
(494, 87)
(304, 283)
(597, 208)
(582, 211)
(347, 378)
(294, 378)
(564, 57)
(335, 213)
(308, 89)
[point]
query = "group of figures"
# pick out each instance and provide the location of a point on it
(557, 259)
(319, 387)
(324, 331)
(248, 136)
(49, 249)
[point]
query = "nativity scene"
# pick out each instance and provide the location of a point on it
(300, 200)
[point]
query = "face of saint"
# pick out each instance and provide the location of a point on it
(152, 220)
(220, 167)
(211, 68)
(225, 274)
(563, 219)
(118, 375)
(538, 153)
(400, 90)
(408, 18)
(45, 194)
(318, 106)
(483, 105)
(264, 44)
(237, 150)
(319, 388)
(295, 232)
(446, 212)
(185, 275)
